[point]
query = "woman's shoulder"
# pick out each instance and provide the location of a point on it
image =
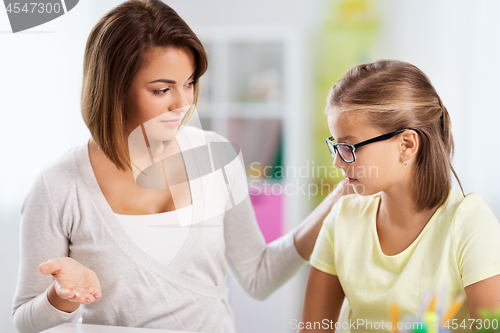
(56, 180)
(59, 177)
(65, 167)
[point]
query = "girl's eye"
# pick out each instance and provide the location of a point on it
(160, 92)
(191, 84)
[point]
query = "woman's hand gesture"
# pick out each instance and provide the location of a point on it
(342, 188)
(72, 281)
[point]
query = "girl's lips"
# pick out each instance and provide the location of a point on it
(351, 180)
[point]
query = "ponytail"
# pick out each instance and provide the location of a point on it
(448, 138)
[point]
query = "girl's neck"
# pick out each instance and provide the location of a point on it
(397, 209)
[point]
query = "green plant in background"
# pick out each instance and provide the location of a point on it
(490, 321)
(347, 39)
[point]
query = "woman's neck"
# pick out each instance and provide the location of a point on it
(163, 149)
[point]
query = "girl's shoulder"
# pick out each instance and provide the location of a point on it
(356, 203)
(469, 211)
(476, 238)
(471, 201)
(355, 207)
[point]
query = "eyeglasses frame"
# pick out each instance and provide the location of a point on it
(353, 147)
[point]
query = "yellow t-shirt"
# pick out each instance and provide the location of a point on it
(460, 245)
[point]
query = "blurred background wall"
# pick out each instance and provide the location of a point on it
(271, 65)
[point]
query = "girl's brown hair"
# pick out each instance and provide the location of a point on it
(116, 49)
(393, 95)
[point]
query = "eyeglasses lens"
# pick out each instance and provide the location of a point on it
(346, 153)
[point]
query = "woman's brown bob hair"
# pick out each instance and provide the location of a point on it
(392, 95)
(116, 49)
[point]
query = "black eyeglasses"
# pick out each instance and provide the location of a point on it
(346, 151)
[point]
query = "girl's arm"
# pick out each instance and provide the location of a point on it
(324, 297)
(477, 239)
(484, 294)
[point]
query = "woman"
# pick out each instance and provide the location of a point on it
(84, 219)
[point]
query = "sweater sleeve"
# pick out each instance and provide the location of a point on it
(41, 239)
(260, 268)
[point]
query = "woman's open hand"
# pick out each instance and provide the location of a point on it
(342, 188)
(306, 233)
(72, 281)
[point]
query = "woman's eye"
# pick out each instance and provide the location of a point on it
(160, 92)
(191, 84)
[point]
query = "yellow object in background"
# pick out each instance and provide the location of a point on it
(394, 317)
(432, 304)
(431, 320)
(455, 306)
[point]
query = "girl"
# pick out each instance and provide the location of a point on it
(91, 235)
(405, 231)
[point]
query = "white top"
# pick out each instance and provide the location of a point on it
(66, 214)
(159, 235)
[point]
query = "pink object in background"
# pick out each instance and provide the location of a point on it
(269, 212)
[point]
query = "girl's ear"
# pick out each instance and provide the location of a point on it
(409, 142)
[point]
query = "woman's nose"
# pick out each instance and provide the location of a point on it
(181, 100)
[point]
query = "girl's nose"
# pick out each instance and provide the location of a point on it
(337, 161)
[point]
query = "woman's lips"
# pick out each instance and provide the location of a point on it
(172, 123)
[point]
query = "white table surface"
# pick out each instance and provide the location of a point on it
(86, 328)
